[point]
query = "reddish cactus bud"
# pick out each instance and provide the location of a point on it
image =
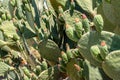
(64, 56)
(60, 9)
(67, 47)
(60, 59)
(84, 16)
(103, 43)
(23, 62)
(77, 20)
(67, 26)
(77, 67)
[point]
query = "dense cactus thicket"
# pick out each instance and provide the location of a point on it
(59, 40)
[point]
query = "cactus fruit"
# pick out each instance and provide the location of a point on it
(95, 52)
(3, 16)
(64, 56)
(8, 16)
(61, 62)
(92, 38)
(60, 9)
(38, 69)
(78, 27)
(103, 49)
(70, 32)
(27, 7)
(26, 71)
(33, 40)
(98, 22)
(68, 52)
(85, 23)
(72, 70)
(25, 77)
(44, 65)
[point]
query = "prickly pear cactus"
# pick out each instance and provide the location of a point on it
(73, 70)
(50, 74)
(86, 5)
(70, 27)
(9, 30)
(111, 65)
(93, 38)
(33, 35)
(93, 73)
(111, 11)
(49, 50)
(4, 68)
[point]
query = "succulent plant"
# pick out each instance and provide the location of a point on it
(59, 39)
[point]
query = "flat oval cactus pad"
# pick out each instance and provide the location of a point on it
(111, 65)
(93, 38)
(49, 50)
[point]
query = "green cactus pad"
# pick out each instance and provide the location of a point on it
(86, 5)
(93, 38)
(112, 11)
(8, 28)
(4, 68)
(71, 71)
(13, 75)
(93, 73)
(49, 50)
(51, 73)
(108, 26)
(111, 65)
(70, 17)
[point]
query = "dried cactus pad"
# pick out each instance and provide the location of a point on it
(111, 65)
(49, 50)
(93, 38)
